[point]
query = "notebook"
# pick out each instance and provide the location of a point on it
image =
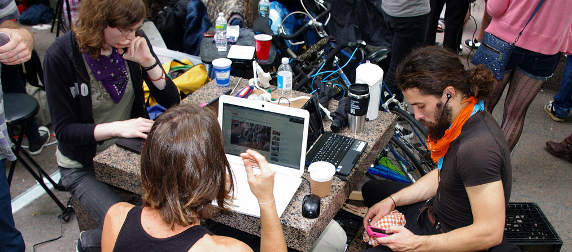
(342, 151)
(277, 132)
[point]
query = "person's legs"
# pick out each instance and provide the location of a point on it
(563, 99)
(434, 15)
(521, 92)
(495, 95)
(455, 12)
(10, 238)
(96, 196)
(408, 33)
(14, 84)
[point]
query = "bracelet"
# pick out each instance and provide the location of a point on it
(151, 67)
(160, 78)
(394, 205)
(266, 202)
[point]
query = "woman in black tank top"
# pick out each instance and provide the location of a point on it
(183, 169)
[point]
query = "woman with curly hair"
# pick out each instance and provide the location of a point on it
(183, 169)
(94, 84)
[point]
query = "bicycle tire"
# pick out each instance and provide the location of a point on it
(414, 136)
(400, 157)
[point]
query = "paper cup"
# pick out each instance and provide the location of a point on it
(321, 175)
(222, 71)
(262, 46)
(4, 38)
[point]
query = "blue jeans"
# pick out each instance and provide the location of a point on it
(97, 197)
(10, 238)
(405, 34)
(563, 99)
(532, 64)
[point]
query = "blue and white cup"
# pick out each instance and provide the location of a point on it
(222, 71)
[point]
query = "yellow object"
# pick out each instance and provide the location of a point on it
(193, 78)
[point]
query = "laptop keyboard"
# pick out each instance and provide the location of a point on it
(334, 149)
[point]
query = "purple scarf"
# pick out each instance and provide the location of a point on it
(112, 73)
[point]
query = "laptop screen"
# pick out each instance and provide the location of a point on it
(276, 136)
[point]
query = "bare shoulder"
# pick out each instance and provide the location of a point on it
(220, 243)
(112, 224)
(119, 210)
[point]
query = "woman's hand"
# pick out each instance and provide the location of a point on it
(138, 51)
(262, 184)
(131, 128)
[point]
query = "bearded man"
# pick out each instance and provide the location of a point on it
(461, 205)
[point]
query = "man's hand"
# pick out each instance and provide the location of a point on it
(261, 185)
(377, 211)
(401, 239)
(19, 48)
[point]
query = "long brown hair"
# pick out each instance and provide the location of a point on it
(431, 69)
(184, 167)
(96, 15)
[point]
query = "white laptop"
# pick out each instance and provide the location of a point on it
(278, 132)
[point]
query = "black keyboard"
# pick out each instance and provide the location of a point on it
(334, 149)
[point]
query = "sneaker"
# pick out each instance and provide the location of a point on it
(79, 248)
(36, 147)
(472, 43)
(460, 51)
(549, 108)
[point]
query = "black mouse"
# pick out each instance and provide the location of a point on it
(311, 206)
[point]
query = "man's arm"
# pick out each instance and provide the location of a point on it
(423, 189)
(488, 209)
(19, 49)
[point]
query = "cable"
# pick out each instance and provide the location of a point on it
(65, 216)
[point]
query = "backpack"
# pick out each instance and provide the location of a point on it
(170, 23)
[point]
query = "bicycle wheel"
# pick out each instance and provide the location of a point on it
(395, 161)
(414, 136)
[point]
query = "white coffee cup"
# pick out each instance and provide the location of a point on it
(4, 38)
(321, 175)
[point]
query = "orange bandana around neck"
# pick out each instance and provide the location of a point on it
(440, 147)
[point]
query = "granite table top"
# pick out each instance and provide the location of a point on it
(121, 168)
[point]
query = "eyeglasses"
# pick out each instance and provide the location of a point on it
(129, 31)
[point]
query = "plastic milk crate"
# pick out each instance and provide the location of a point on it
(527, 227)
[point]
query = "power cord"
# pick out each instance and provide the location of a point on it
(64, 217)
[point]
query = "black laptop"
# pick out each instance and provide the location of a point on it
(342, 151)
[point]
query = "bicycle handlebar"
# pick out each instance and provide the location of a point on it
(328, 58)
(307, 26)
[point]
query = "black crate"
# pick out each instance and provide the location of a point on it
(527, 227)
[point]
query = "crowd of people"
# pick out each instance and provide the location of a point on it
(94, 78)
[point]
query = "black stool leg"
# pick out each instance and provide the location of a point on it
(18, 145)
(39, 175)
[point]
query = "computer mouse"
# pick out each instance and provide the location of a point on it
(311, 206)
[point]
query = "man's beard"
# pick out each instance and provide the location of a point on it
(442, 123)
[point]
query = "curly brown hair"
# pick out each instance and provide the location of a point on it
(431, 69)
(184, 167)
(96, 15)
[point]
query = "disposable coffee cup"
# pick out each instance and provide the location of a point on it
(321, 175)
(263, 42)
(4, 38)
(221, 68)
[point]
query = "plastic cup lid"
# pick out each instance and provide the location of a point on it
(321, 171)
(222, 62)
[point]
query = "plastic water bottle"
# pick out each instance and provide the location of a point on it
(263, 8)
(284, 77)
(220, 36)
